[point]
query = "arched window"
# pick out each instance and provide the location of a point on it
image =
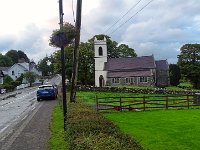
(100, 51)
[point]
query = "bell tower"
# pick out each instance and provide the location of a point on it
(100, 47)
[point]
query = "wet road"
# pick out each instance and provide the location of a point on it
(15, 109)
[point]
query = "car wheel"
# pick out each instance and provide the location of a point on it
(38, 99)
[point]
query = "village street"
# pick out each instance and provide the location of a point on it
(15, 109)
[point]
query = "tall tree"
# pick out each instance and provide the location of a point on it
(174, 74)
(189, 63)
(126, 51)
(86, 58)
(45, 65)
(5, 61)
(86, 64)
(114, 49)
(17, 55)
(22, 55)
(13, 55)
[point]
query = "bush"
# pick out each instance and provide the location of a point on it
(8, 87)
(7, 80)
(87, 129)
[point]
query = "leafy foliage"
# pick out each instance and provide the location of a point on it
(174, 74)
(7, 80)
(5, 61)
(86, 58)
(16, 56)
(30, 77)
(189, 62)
(86, 129)
(114, 49)
(45, 67)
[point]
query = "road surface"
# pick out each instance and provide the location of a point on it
(17, 111)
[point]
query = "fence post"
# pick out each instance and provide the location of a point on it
(144, 103)
(97, 103)
(188, 100)
(120, 103)
(166, 102)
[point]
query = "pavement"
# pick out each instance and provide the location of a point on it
(33, 132)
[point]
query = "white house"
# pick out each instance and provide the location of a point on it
(20, 68)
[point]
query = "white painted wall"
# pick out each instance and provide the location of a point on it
(18, 70)
(100, 60)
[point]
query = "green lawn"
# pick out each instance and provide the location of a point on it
(157, 129)
(160, 130)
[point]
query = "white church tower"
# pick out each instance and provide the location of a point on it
(100, 47)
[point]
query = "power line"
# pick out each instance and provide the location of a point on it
(131, 17)
(123, 15)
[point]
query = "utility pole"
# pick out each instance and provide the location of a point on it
(63, 67)
(76, 51)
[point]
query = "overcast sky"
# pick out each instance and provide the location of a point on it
(158, 27)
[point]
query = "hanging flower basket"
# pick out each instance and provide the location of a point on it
(63, 37)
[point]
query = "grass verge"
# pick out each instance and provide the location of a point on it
(86, 129)
(57, 140)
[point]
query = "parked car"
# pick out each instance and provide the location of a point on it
(46, 92)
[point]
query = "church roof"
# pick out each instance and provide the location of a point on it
(161, 65)
(144, 62)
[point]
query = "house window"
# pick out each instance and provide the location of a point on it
(115, 80)
(13, 73)
(130, 80)
(143, 79)
(100, 51)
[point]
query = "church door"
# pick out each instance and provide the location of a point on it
(101, 81)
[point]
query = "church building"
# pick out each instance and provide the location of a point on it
(144, 70)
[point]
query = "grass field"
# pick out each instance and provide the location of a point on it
(154, 130)
(161, 129)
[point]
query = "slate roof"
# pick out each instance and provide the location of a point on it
(161, 65)
(4, 68)
(116, 64)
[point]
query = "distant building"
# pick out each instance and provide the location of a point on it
(1, 76)
(143, 70)
(20, 68)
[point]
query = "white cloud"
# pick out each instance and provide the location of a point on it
(160, 29)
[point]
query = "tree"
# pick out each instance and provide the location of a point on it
(5, 61)
(126, 51)
(7, 80)
(30, 77)
(13, 55)
(114, 49)
(16, 56)
(22, 55)
(45, 67)
(86, 58)
(189, 63)
(174, 74)
(86, 64)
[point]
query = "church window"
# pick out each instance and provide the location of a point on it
(100, 51)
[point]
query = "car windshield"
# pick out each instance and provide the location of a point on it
(45, 87)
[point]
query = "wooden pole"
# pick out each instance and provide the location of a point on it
(76, 52)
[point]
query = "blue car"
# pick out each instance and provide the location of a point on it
(46, 92)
